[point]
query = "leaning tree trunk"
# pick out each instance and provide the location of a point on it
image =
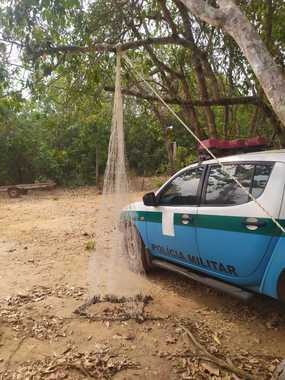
(231, 19)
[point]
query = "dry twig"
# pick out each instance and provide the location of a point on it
(207, 356)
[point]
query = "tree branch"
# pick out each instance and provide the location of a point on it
(233, 21)
(168, 16)
(206, 12)
(105, 47)
(195, 103)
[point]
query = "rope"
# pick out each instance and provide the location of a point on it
(223, 167)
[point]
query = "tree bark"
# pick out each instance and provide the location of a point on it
(231, 19)
(204, 95)
(191, 111)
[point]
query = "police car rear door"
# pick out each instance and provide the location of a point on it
(233, 233)
(171, 231)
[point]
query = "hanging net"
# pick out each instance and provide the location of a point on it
(115, 179)
(109, 265)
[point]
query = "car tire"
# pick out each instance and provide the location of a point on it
(134, 250)
(281, 287)
(14, 192)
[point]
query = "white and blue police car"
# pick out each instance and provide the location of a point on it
(201, 224)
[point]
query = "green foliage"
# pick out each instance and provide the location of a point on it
(60, 130)
(183, 157)
(40, 146)
(146, 152)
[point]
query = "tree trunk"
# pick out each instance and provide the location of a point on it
(226, 121)
(97, 168)
(254, 122)
(164, 126)
(198, 68)
(269, 25)
(197, 59)
(213, 82)
(230, 18)
(190, 110)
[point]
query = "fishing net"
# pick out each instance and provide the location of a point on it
(115, 179)
(118, 247)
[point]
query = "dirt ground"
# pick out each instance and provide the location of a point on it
(49, 331)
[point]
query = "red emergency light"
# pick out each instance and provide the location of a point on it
(228, 147)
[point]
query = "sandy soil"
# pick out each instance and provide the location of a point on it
(47, 242)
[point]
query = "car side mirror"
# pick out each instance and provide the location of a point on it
(149, 199)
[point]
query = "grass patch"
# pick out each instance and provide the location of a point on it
(90, 245)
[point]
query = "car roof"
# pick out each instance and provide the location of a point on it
(267, 155)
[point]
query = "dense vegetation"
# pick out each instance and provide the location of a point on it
(56, 99)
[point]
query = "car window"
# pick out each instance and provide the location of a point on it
(260, 179)
(222, 190)
(183, 189)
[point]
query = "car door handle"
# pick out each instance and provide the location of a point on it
(186, 218)
(253, 224)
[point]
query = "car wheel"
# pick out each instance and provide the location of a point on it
(14, 192)
(134, 250)
(281, 287)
